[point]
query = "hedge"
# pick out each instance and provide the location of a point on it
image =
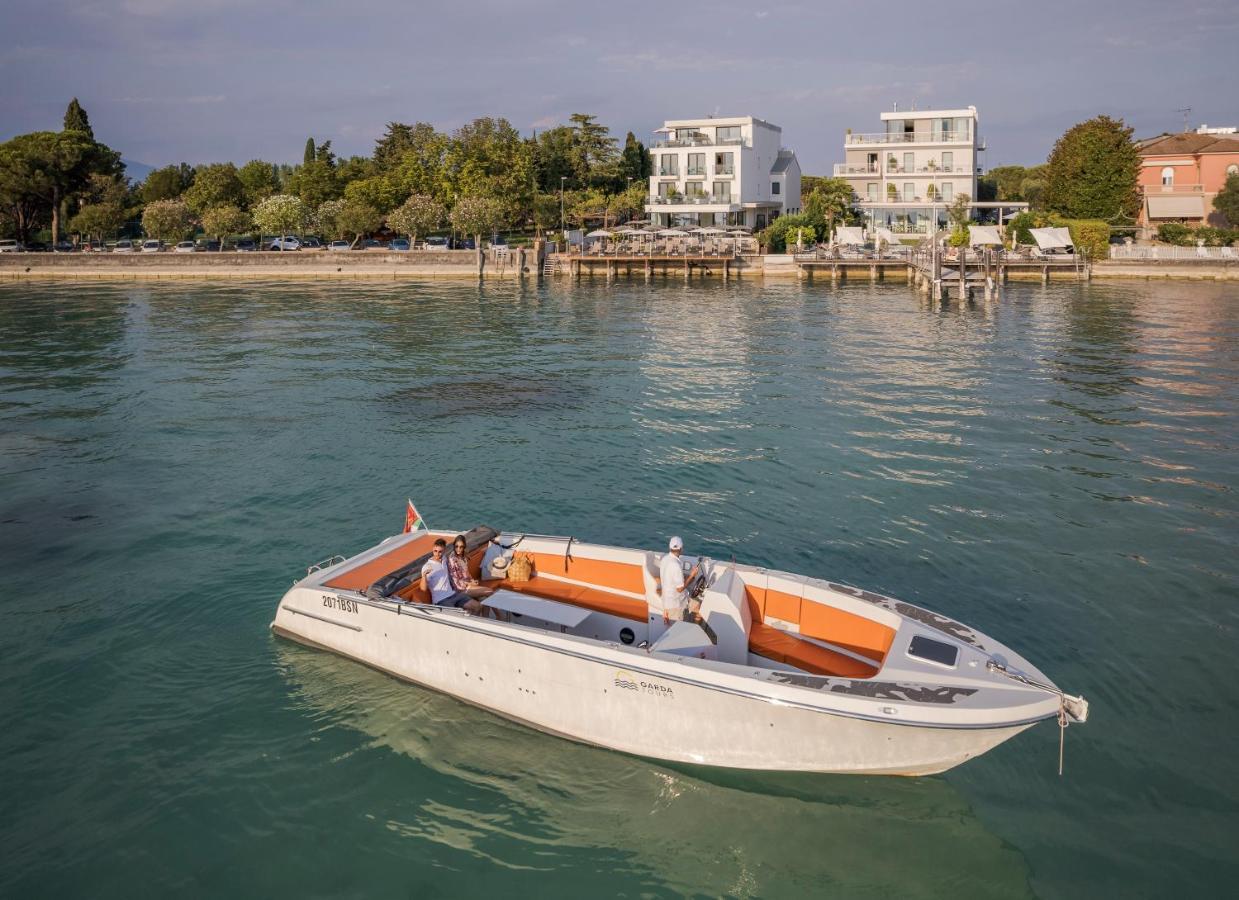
(1090, 235)
(1186, 236)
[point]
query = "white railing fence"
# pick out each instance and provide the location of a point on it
(1171, 252)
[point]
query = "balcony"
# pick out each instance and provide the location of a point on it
(1180, 188)
(701, 141)
(843, 170)
(923, 137)
(693, 200)
(725, 172)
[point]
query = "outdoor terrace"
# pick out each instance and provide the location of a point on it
(843, 170)
(701, 141)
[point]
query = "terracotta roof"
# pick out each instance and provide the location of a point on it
(1175, 144)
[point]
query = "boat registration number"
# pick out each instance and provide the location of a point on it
(341, 603)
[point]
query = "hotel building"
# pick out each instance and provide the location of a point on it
(716, 172)
(906, 175)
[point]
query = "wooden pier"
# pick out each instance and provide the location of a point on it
(685, 265)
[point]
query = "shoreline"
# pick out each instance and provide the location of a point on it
(519, 265)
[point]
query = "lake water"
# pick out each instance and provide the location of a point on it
(1058, 468)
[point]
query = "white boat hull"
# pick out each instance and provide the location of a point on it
(621, 698)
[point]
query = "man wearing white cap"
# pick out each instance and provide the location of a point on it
(673, 579)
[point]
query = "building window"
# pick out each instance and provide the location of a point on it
(722, 191)
(774, 188)
(724, 164)
(948, 160)
(761, 221)
(665, 188)
(696, 164)
(948, 192)
(668, 164)
(909, 162)
(909, 191)
(695, 189)
(871, 191)
(727, 133)
(1168, 176)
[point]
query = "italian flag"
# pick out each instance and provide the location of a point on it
(412, 518)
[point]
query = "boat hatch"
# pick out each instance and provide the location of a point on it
(933, 651)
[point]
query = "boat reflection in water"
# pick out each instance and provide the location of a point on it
(455, 786)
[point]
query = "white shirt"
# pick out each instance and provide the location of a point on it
(672, 576)
(437, 580)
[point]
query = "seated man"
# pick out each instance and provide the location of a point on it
(438, 580)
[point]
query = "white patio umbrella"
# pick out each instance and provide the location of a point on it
(600, 233)
(712, 231)
(672, 232)
(983, 235)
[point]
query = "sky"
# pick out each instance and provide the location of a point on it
(218, 80)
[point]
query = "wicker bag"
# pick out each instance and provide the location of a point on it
(521, 567)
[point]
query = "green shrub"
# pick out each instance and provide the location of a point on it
(1174, 233)
(1090, 235)
(959, 237)
(775, 237)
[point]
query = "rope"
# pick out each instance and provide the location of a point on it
(1062, 732)
(1063, 722)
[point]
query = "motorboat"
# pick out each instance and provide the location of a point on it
(777, 671)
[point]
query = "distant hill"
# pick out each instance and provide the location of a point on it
(137, 171)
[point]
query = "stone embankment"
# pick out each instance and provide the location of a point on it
(368, 264)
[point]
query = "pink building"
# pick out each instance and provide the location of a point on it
(1179, 176)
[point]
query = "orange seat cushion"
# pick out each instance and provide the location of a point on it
(846, 630)
(363, 576)
(585, 597)
(781, 646)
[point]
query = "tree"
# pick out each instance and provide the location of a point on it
(358, 219)
(1226, 201)
(167, 183)
(221, 221)
(381, 192)
(477, 215)
(635, 162)
(259, 180)
(309, 155)
(390, 149)
(105, 208)
(555, 158)
(218, 184)
(419, 166)
(959, 215)
(77, 120)
(829, 202)
(166, 220)
(595, 150)
(420, 214)
(280, 214)
(41, 170)
(1093, 172)
(544, 211)
(314, 183)
(628, 203)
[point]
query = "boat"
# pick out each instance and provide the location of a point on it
(778, 672)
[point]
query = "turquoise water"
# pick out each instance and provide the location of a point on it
(1057, 468)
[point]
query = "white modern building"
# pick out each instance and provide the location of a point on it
(722, 171)
(905, 176)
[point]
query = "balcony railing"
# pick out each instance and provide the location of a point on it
(702, 141)
(845, 169)
(922, 137)
(668, 173)
(694, 200)
(724, 172)
(1176, 189)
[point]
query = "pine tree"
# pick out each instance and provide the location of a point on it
(77, 120)
(309, 151)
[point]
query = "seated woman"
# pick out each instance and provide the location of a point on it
(463, 582)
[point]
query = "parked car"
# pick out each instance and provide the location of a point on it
(287, 242)
(311, 243)
(92, 247)
(36, 247)
(461, 244)
(209, 246)
(246, 245)
(11, 246)
(372, 244)
(123, 247)
(337, 246)
(65, 247)
(185, 247)
(152, 246)
(435, 243)
(400, 245)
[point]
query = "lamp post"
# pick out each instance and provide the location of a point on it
(562, 229)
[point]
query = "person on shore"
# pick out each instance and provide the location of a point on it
(438, 580)
(674, 582)
(464, 582)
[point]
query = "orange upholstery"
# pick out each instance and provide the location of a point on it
(363, 576)
(847, 630)
(772, 643)
(417, 592)
(586, 597)
(782, 606)
(600, 572)
(756, 597)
